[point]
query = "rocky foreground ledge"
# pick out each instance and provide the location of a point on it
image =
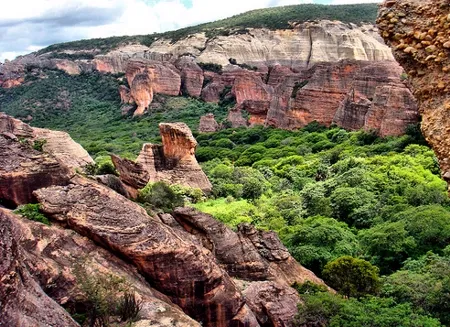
(186, 267)
(418, 32)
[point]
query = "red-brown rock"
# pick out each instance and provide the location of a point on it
(273, 304)
(22, 301)
(249, 254)
(427, 64)
(184, 271)
(191, 76)
(173, 162)
(208, 124)
(52, 254)
(23, 170)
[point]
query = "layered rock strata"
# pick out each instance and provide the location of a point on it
(418, 33)
(322, 71)
(51, 255)
(173, 162)
(22, 300)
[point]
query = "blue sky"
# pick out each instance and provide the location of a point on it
(28, 25)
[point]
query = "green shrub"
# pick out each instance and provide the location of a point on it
(160, 196)
(352, 277)
(32, 212)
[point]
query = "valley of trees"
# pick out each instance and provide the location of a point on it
(369, 215)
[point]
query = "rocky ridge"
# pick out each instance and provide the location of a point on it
(193, 262)
(289, 89)
(418, 33)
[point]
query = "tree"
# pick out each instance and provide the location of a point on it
(318, 240)
(388, 245)
(161, 196)
(352, 277)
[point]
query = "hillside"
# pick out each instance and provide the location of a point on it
(271, 18)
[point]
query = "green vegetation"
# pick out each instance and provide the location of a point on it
(104, 296)
(32, 212)
(272, 18)
(348, 205)
(88, 107)
(352, 277)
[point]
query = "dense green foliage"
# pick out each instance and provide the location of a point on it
(272, 18)
(330, 193)
(326, 309)
(88, 107)
(32, 212)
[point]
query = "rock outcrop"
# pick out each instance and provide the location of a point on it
(208, 124)
(248, 254)
(173, 162)
(189, 258)
(23, 170)
(183, 271)
(52, 255)
(418, 32)
(22, 300)
(57, 143)
(323, 71)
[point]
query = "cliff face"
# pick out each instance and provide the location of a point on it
(418, 33)
(323, 71)
(190, 259)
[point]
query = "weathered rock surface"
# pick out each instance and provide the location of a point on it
(248, 254)
(326, 71)
(353, 95)
(181, 270)
(417, 31)
(23, 170)
(273, 304)
(22, 301)
(208, 124)
(59, 144)
(52, 253)
(173, 162)
(191, 76)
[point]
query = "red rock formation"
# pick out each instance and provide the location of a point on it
(181, 270)
(148, 77)
(208, 124)
(23, 170)
(349, 94)
(173, 162)
(191, 76)
(248, 254)
(417, 31)
(51, 254)
(273, 304)
(142, 91)
(22, 301)
(59, 144)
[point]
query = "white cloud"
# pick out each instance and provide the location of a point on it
(349, 2)
(27, 25)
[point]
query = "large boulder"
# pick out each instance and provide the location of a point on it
(417, 31)
(208, 124)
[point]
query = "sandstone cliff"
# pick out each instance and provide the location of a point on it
(418, 33)
(324, 71)
(173, 162)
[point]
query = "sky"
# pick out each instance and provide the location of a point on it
(29, 25)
